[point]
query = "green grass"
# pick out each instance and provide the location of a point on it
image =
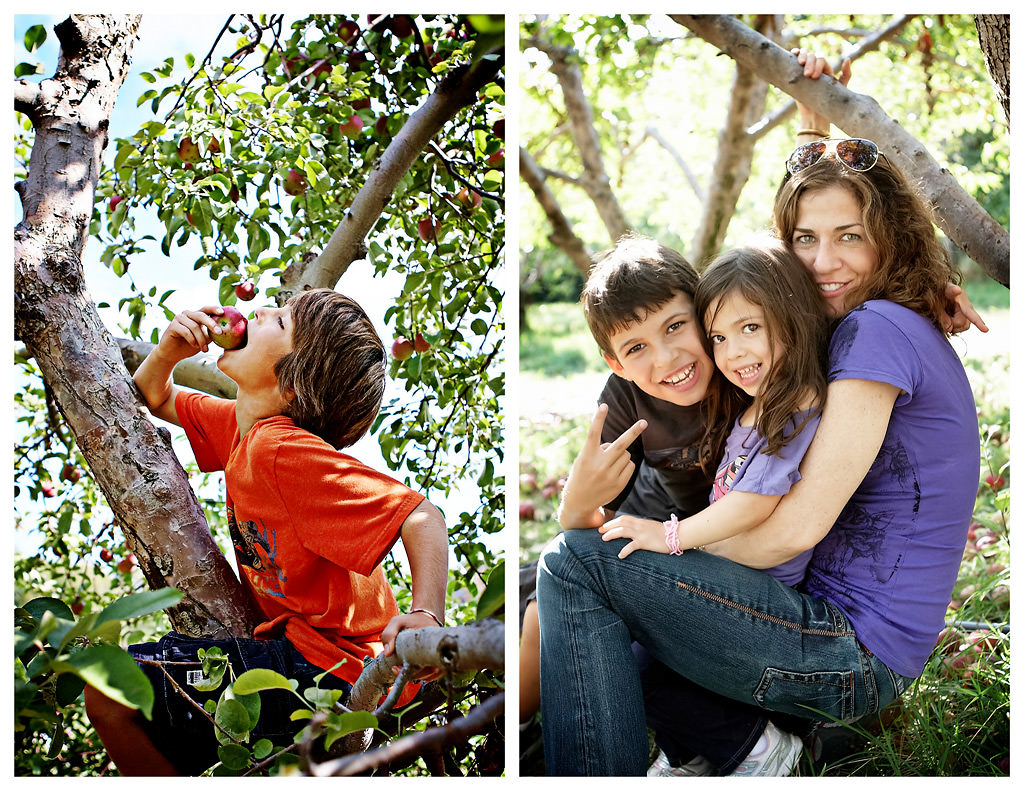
(954, 720)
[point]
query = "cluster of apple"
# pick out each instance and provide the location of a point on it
(550, 490)
(125, 565)
(403, 348)
(71, 473)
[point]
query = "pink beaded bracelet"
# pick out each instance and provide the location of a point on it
(672, 536)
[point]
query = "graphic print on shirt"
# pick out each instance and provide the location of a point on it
(727, 474)
(256, 549)
(870, 536)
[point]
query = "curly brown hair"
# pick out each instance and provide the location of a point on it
(913, 266)
(336, 368)
(769, 275)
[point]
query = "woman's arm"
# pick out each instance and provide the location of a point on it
(733, 513)
(852, 428)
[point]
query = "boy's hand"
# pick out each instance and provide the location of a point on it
(189, 333)
(645, 534)
(413, 620)
(602, 470)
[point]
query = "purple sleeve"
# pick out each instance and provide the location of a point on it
(775, 475)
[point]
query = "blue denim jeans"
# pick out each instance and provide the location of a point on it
(729, 629)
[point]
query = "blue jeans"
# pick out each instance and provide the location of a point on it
(729, 629)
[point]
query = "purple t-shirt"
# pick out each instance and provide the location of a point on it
(891, 559)
(745, 468)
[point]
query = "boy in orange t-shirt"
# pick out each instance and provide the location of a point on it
(310, 525)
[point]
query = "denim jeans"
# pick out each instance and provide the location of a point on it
(729, 629)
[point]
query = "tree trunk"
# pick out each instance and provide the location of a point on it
(994, 37)
(963, 220)
(457, 90)
(562, 235)
(594, 180)
(732, 159)
(132, 462)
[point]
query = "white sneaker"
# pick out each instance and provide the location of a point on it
(776, 760)
(698, 767)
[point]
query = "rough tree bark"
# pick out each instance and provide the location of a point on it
(132, 461)
(962, 219)
(994, 37)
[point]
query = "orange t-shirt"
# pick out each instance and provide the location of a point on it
(310, 527)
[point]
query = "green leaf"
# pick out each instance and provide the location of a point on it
(143, 603)
(262, 749)
(28, 69)
(233, 718)
(493, 596)
(259, 679)
(112, 671)
(40, 605)
(339, 725)
(35, 36)
(233, 756)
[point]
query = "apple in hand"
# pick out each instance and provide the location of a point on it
(246, 290)
(232, 329)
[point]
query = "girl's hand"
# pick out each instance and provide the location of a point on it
(644, 534)
(189, 332)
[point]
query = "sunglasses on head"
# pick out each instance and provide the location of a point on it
(856, 153)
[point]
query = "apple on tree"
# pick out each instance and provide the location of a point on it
(114, 200)
(471, 199)
(246, 290)
(428, 228)
(106, 555)
(188, 151)
(348, 30)
(402, 348)
(401, 25)
(295, 183)
(420, 343)
(352, 127)
(232, 326)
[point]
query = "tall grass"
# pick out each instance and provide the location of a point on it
(954, 720)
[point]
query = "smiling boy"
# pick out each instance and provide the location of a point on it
(310, 525)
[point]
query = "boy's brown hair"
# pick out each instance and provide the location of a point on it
(634, 278)
(336, 368)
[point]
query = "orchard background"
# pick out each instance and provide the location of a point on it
(363, 153)
(677, 128)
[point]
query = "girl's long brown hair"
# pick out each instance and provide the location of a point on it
(913, 267)
(769, 275)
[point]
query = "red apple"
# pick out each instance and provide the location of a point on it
(348, 30)
(233, 193)
(527, 512)
(420, 343)
(214, 146)
(360, 104)
(126, 565)
(106, 555)
(246, 290)
(402, 348)
(295, 183)
(188, 151)
(471, 199)
(401, 25)
(355, 59)
(47, 488)
(114, 200)
(232, 329)
(499, 128)
(352, 127)
(71, 473)
(77, 606)
(996, 482)
(381, 125)
(428, 229)
(497, 157)
(188, 218)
